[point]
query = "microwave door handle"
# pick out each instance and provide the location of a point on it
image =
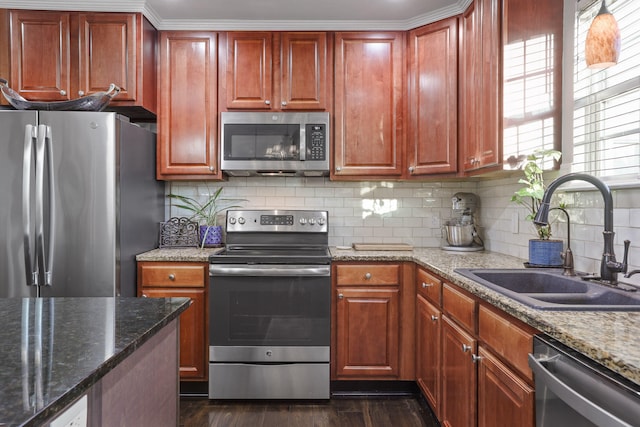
(303, 143)
(30, 263)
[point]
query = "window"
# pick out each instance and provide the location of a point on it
(606, 120)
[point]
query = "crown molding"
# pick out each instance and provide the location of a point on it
(164, 23)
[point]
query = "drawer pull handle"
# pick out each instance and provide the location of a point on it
(466, 348)
(427, 285)
(434, 318)
(340, 296)
(172, 276)
(475, 358)
(367, 276)
(144, 296)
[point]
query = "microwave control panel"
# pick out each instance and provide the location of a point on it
(316, 141)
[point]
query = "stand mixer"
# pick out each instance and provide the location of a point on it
(460, 232)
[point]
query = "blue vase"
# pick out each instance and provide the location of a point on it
(545, 253)
(210, 235)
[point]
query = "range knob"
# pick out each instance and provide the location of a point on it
(321, 221)
(232, 220)
(312, 221)
(241, 220)
(303, 221)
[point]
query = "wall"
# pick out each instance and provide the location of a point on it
(413, 212)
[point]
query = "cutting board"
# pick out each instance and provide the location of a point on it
(382, 247)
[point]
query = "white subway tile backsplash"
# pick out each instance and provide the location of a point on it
(414, 212)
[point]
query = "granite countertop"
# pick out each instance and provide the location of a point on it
(178, 254)
(605, 336)
(54, 349)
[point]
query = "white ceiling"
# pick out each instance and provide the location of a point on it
(267, 14)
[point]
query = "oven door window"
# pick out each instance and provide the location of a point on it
(261, 142)
(274, 311)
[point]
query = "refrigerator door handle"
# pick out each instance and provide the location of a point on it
(44, 161)
(31, 265)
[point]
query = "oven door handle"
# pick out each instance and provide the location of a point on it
(269, 270)
(590, 410)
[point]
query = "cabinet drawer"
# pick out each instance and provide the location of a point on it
(510, 341)
(368, 274)
(459, 306)
(429, 286)
(172, 274)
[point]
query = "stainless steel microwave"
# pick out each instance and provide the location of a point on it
(275, 144)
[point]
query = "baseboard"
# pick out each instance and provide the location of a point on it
(194, 389)
(363, 388)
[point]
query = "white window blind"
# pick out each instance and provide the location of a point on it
(606, 122)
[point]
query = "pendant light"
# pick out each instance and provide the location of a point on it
(602, 47)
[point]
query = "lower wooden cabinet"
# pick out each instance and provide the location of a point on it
(428, 351)
(504, 399)
(183, 279)
(471, 358)
(373, 322)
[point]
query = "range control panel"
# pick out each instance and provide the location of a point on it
(277, 221)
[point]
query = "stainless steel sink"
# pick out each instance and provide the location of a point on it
(547, 289)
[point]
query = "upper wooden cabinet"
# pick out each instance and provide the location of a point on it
(274, 71)
(187, 111)
(432, 139)
(368, 111)
(58, 56)
(510, 82)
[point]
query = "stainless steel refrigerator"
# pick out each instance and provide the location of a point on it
(78, 201)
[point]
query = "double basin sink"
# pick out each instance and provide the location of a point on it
(548, 289)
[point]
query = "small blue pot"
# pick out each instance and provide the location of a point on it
(212, 237)
(545, 253)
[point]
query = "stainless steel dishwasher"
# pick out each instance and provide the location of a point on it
(573, 390)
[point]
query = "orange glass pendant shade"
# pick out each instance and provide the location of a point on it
(602, 47)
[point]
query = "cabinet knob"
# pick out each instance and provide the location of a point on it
(338, 169)
(411, 169)
(63, 92)
(267, 102)
(284, 103)
(466, 348)
(340, 296)
(434, 317)
(144, 296)
(80, 93)
(367, 276)
(211, 168)
(427, 285)
(172, 276)
(475, 358)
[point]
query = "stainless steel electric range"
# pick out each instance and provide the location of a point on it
(270, 304)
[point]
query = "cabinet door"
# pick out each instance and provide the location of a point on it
(247, 74)
(108, 53)
(40, 55)
(428, 351)
(187, 113)
(468, 82)
(504, 400)
(433, 89)
(193, 351)
(367, 334)
(369, 127)
(458, 406)
(303, 71)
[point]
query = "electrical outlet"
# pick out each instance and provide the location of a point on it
(74, 416)
(515, 220)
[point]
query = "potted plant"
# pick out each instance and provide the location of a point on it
(206, 214)
(543, 251)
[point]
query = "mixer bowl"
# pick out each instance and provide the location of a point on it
(459, 235)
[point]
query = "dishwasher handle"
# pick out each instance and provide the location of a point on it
(581, 404)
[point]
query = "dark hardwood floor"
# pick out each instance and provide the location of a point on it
(338, 412)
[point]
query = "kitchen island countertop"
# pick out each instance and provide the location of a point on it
(54, 349)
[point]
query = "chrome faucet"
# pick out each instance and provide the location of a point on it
(609, 267)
